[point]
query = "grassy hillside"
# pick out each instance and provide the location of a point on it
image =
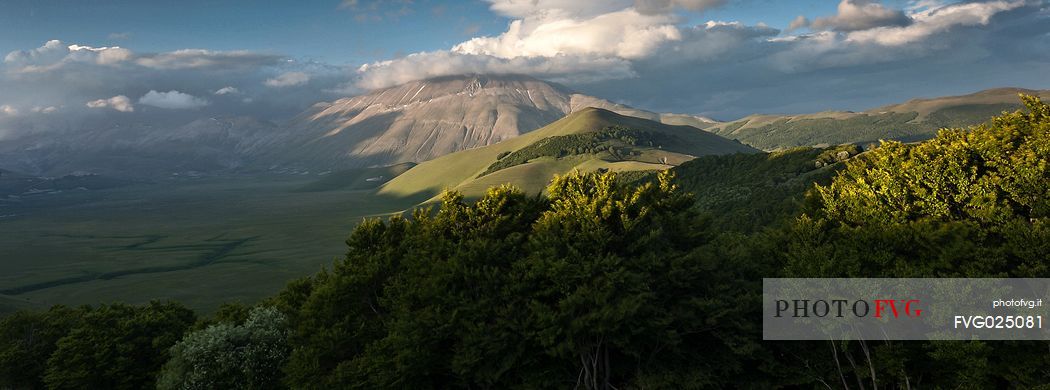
(914, 120)
(540, 154)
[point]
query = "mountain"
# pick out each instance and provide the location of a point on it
(914, 120)
(142, 147)
(424, 119)
(588, 139)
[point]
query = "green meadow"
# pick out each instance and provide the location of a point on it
(202, 242)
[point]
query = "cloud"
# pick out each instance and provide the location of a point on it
(51, 51)
(572, 42)
(54, 55)
(288, 79)
(442, 63)
(8, 110)
(66, 75)
(227, 91)
(666, 6)
(797, 23)
(377, 10)
(44, 110)
(120, 103)
(624, 34)
(556, 8)
(855, 15)
(936, 20)
(200, 58)
(172, 100)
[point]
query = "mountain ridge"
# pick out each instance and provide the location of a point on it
(466, 170)
(914, 120)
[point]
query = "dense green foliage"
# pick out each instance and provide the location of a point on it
(965, 204)
(991, 174)
(229, 355)
(749, 192)
(597, 283)
(28, 340)
(610, 282)
(117, 347)
(614, 142)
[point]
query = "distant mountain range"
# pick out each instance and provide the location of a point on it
(423, 120)
(914, 120)
(142, 149)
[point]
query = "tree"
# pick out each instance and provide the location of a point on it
(230, 356)
(600, 284)
(27, 340)
(117, 347)
(968, 203)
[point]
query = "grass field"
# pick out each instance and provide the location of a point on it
(202, 242)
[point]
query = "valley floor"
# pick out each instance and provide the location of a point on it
(203, 241)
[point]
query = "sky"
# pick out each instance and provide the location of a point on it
(719, 58)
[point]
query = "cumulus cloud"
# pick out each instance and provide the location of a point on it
(120, 103)
(573, 42)
(54, 55)
(51, 51)
(172, 100)
(625, 34)
(288, 79)
(641, 52)
(936, 20)
(798, 22)
(227, 91)
(855, 15)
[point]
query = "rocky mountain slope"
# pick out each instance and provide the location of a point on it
(421, 120)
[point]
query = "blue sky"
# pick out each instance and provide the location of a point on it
(319, 30)
(722, 58)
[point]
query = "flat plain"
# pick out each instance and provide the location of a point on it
(200, 241)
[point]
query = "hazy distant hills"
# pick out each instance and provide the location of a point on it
(588, 139)
(142, 148)
(914, 120)
(421, 120)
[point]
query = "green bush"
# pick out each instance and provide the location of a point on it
(230, 356)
